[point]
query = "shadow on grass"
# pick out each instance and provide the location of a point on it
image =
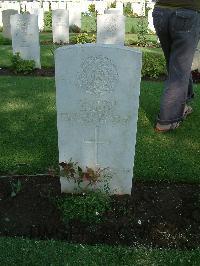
(28, 125)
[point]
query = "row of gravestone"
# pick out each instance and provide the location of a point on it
(74, 18)
(138, 6)
(25, 33)
(75, 9)
(97, 100)
(97, 104)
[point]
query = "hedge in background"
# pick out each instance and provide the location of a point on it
(48, 21)
(153, 65)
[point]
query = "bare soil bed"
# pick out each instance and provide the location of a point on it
(156, 215)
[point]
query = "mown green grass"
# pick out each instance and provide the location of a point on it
(171, 156)
(28, 135)
(23, 252)
(47, 56)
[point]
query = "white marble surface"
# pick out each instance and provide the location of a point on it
(74, 14)
(25, 37)
(46, 6)
(39, 12)
(138, 7)
(196, 60)
(60, 26)
(54, 5)
(113, 11)
(97, 100)
(6, 22)
(150, 18)
(111, 29)
(1, 23)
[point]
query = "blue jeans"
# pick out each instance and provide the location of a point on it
(178, 31)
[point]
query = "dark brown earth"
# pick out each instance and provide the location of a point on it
(156, 215)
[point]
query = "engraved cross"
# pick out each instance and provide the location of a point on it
(96, 143)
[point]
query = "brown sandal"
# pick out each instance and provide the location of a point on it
(168, 127)
(164, 128)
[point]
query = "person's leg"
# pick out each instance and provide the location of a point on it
(184, 32)
(161, 23)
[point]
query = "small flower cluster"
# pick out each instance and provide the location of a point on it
(72, 170)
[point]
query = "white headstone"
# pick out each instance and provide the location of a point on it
(120, 6)
(196, 60)
(11, 5)
(74, 14)
(111, 29)
(62, 5)
(1, 22)
(25, 37)
(54, 5)
(138, 7)
(113, 11)
(6, 22)
(60, 26)
(97, 110)
(39, 12)
(100, 7)
(150, 18)
(46, 6)
(84, 6)
(23, 6)
(29, 6)
(36, 4)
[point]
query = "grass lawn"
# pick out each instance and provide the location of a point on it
(28, 135)
(22, 252)
(46, 51)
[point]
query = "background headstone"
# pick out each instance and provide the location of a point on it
(54, 5)
(60, 26)
(29, 6)
(100, 7)
(1, 22)
(196, 60)
(111, 29)
(62, 5)
(113, 11)
(120, 6)
(138, 7)
(74, 14)
(6, 22)
(46, 6)
(39, 12)
(150, 18)
(23, 6)
(97, 110)
(25, 37)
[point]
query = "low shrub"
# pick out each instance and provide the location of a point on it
(73, 39)
(18, 65)
(113, 4)
(87, 207)
(48, 21)
(142, 33)
(85, 38)
(153, 65)
(128, 11)
(74, 29)
(91, 8)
